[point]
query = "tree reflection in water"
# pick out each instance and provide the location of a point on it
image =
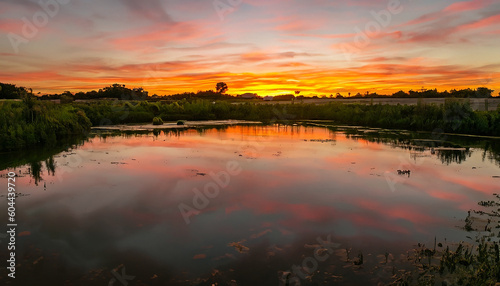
(456, 150)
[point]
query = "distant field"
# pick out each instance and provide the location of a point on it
(477, 103)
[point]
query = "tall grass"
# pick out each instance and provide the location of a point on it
(33, 122)
(474, 263)
(28, 123)
(454, 116)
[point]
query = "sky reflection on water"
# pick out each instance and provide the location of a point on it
(115, 201)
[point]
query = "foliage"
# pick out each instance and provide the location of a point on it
(480, 92)
(32, 122)
(467, 263)
(157, 121)
(207, 94)
(121, 92)
(115, 91)
(10, 91)
(452, 117)
(67, 98)
(285, 97)
(221, 87)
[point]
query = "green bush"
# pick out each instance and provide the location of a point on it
(157, 121)
(27, 123)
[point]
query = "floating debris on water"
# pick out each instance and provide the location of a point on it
(404, 172)
(320, 140)
(239, 246)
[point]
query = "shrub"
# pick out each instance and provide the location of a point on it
(157, 121)
(180, 122)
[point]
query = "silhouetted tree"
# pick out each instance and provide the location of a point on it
(483, 92)
(67, 97)
(221, 87)
(10, 91)
(400, 94)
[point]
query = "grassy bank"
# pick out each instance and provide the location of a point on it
(32, 122)
(29, 122)
(452, 117)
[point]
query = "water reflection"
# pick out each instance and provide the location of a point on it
(456, 149)
(447, 151)
(36, 169)
(114, 201)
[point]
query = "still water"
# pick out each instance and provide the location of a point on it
(242, 205)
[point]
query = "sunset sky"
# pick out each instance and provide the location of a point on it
(264, 46)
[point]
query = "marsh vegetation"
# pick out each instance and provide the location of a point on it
(30, 122)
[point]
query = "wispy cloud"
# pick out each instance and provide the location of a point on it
(269, 47)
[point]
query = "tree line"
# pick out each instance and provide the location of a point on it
(121, 92)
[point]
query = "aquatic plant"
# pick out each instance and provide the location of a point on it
(157, 121)
(468, 263)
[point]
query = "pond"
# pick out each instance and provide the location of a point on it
(243, 205)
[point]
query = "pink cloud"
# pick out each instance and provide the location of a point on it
(483, 23)
(467, 6)
(157, 36)
(425, 18)
(11, 26)
(294, 25)
(451, 9)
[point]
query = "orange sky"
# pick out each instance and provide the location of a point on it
(269, 47)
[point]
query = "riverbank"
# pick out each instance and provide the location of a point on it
(175, 125)
(30, 122)
(454, 116)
